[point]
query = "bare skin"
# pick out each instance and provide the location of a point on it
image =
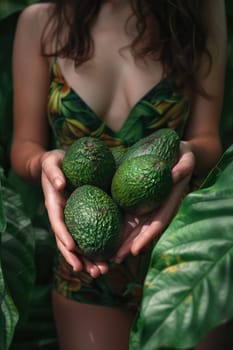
(96, 327)
(123, 81)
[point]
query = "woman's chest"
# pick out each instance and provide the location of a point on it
(105, 110)
(112, 82)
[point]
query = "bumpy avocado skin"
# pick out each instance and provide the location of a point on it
(94, 221)
(89, 161)
(118, 154)
(163, 144)
(140, 184)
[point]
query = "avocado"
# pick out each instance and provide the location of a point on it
(89, 161)
(94, 221)
(163, 144)
(141, 184)
(118, 154)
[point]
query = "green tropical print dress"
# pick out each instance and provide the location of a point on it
(71, 118)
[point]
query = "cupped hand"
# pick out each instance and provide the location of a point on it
(139, 232)
(53, 185)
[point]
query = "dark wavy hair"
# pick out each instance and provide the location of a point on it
(180, 46)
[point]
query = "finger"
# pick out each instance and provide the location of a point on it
(63, 235)
(125, 248)
(102, 266)
(55, 203)
(123, 252)
(94, 269)
(51, 166)
(91, 268)
(70, 257)
(184, 166)
(161, 219)
(133, 226)
(146, 236)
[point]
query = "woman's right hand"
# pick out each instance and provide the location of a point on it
(53, 185)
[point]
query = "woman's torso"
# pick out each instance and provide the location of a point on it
(113, 88)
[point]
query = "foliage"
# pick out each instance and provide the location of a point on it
(8, 312)
(188, 285)
(9, 7)
(16, 262)
(188, 280)
(24, 281)
(8, 315)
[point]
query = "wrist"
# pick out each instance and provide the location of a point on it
(34, 166)
(206, 152)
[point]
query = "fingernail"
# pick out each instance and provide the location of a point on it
(58, 182)
(118, 260)
(93, 275)
(134, 252)
(103, 270)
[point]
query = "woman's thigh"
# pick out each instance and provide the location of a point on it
(90, 327)
(216, 339)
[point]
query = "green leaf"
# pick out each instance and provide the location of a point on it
(28, 250)
(17, 250)
(17, 268)
(189, 286)
(2, 214)
(7, 7)
(8, 315)
(8, 312)
(39, 331)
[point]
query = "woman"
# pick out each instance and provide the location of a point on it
(89, 68)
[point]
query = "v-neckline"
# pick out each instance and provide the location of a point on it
(90, 109)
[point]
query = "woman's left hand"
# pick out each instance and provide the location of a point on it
(140, 231)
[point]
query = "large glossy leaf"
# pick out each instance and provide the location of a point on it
(39, 330)
(8, 315)
(189, 285)
(8, 312)
(2, 213)
(17, 270)
(17, 250)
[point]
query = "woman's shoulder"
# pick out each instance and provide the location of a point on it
(33, 21)
(35, 17)
(37, 11)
